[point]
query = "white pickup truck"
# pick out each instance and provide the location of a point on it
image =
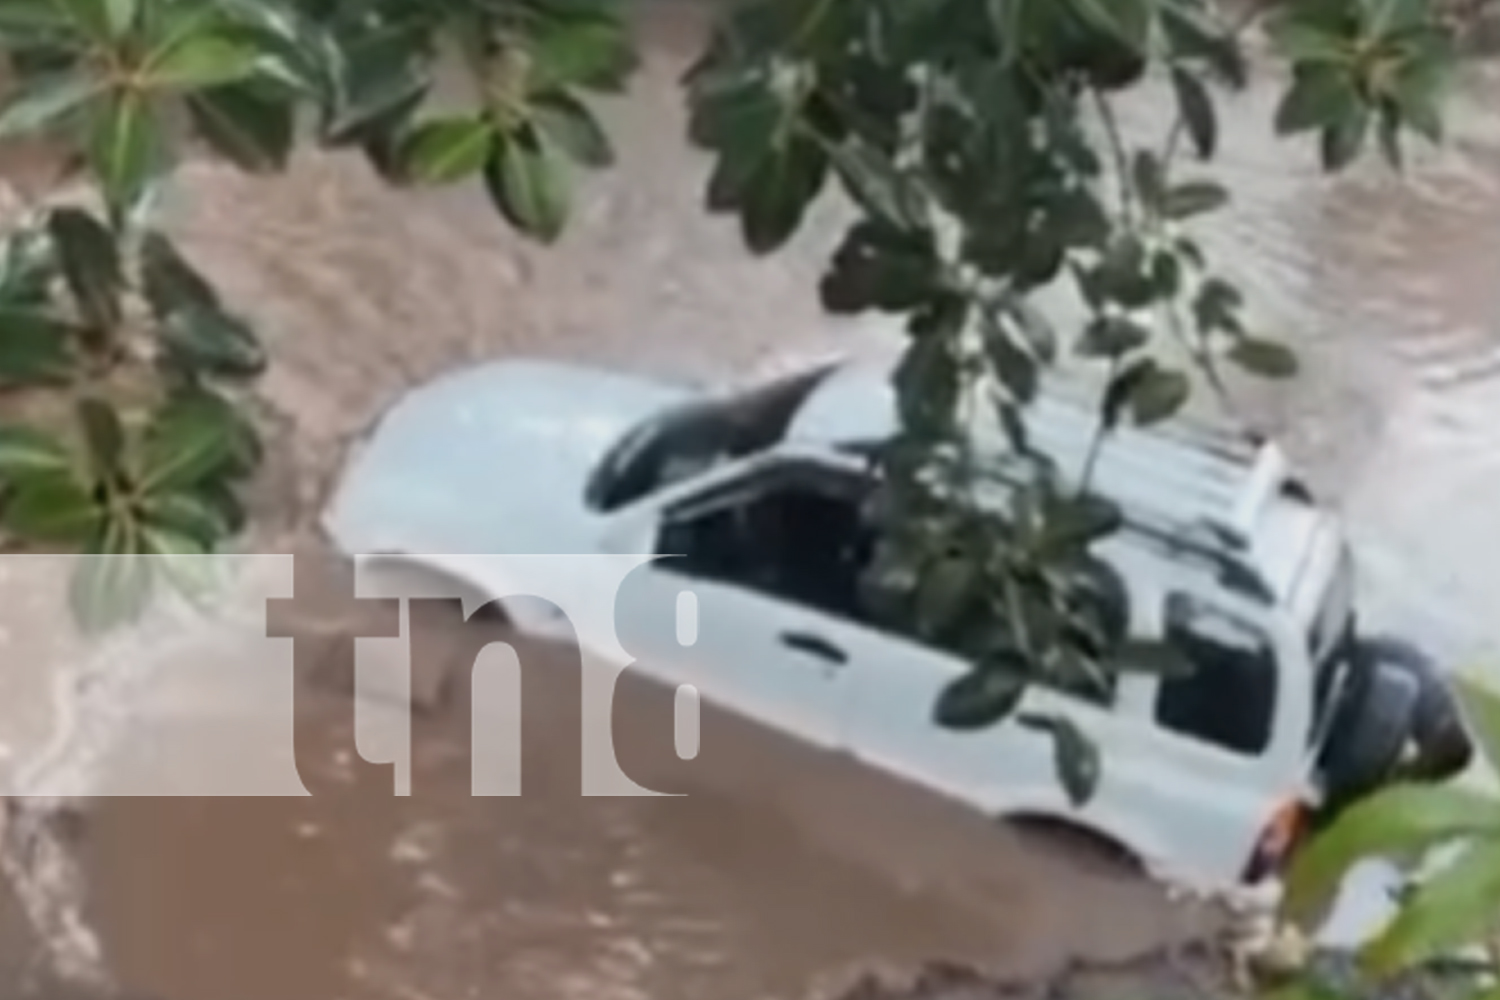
(758, 494)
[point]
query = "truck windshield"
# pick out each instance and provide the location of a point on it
(689, 439)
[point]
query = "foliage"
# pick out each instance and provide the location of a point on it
(1455, 906)
(976, 138)
(122, 371)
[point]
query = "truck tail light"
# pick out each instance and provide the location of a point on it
(1278, 839)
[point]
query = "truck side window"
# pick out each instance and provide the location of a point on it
(795, 533)
(1229, 698)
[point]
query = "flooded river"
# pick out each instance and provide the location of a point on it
(780, 870)
(785, 869)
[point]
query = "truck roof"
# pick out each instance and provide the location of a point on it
(1192, 483)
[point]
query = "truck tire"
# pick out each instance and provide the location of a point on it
(1444, 749)
(1369, 733)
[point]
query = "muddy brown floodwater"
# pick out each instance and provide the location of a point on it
(783, 870)
(779, 870)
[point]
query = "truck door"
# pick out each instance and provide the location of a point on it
(1228, 736)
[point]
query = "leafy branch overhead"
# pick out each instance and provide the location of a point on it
(978, 143)
(144, 441)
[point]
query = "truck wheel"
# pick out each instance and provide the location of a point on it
(1444, 748)
(1369, 732)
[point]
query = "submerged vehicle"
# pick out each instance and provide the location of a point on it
(759, 494)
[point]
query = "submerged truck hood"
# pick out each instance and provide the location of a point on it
(492, 459)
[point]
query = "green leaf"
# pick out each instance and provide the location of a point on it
(168, 280)
(767, 171)
(1112, 337)
(1148, 176)
(1216, 305)
(1123, 275)
(1193, 198)
(48, 55)
(41, 103)
(1266, 358)
(252, 130)
(175, 553)
(1016, 369)
(1342, 141)
(445, 150)
(927, 381)
(1481, 706)
(1320, 96)
(979, 699)
(112, 586)
(1196, 107)
(103, 19)
(1393, 17)
(200, 60)
(1149, 392)
(126, 148)
(741, 123)
(1454, 908)
(380, 86)
(203, 407)
(1076, 522)
(170, 544)
(879, 266)
(25, 21)
(1166, 274)
(942, 315)
(777, 192)
(184, 564)
(1074, 755)
(383, 153)
(183, 445)
(295, 47)
(593, 52)
(1400, 820)
(1418, 95)
(571, 127)
(1117, 393)
(186, 514)
(945, 590)
(1388, 131)
(226, 503)
(104, 437)
(1038, 330)
(1189, 251)
(26, 451)
(51, 507)
(1128, 21)
(1302, 43)
(121, 15)
(1194, 35)
(34, 348)
(207, 339)
(529, 187)
(1158, 396)
(874, 183)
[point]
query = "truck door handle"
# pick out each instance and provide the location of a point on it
(814, 645)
